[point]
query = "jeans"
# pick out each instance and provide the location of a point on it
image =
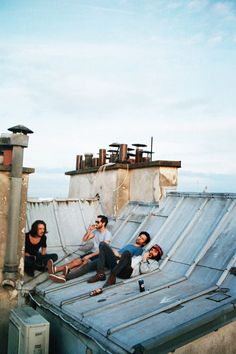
(106, 259)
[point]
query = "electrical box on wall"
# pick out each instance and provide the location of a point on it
(28, 332)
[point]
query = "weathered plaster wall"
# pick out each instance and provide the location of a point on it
(9, 297)
(111, 185)
(220, 342)
(116, 187)
(4, 193)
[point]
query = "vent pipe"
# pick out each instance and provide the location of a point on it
(95, 161)
(123, 153)
(19, 141)
(79, 159)
(88, 160)
(102, 157)
(138, 155)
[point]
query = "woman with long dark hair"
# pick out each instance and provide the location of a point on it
(36, 256)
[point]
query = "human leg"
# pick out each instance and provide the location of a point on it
(86, 268)
(107, 259)
(29, 265)
(42, 260)
(61, 268)
(123, 269)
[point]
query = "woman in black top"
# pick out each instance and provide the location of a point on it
(36, 256)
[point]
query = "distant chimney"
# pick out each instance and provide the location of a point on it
(79, 159)
(88, 160)
(102, 157)
(123, 153)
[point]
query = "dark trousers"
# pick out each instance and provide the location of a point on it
(39, 261)
(106, 259)
(123, 269)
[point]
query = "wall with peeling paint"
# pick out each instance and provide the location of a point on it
(118, 185)
(9, 297)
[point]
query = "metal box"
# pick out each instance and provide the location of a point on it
(28, 332)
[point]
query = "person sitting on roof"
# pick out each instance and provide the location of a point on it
(108, 258)
(129, 266)
(35, 241)
(96, 232)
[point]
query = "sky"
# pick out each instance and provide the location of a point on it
(83, 74)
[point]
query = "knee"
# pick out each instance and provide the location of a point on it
(103, 245)
(54, 257)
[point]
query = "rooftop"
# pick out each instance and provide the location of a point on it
(191, 294)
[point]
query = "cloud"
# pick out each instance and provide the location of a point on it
(206, 182)
(225, 10)
(216, 39)
(197, 5)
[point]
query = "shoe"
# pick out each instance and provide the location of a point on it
(65, 271)
(50, 266)
(57, 279)
(97, 277)
(110, 281)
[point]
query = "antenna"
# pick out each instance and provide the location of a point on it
(151, 147)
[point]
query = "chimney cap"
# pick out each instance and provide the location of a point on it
(115, 145)
(139, 145)
(20, 129)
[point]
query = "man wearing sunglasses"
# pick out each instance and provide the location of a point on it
(97, 233)
(121, 263)
(129, 266)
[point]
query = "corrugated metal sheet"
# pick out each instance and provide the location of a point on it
(198, 235)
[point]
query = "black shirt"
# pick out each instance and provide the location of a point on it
(33, 249)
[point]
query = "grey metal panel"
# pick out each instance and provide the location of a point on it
(201, 230)
(153, 224)
(124, 235)
(224, 247)
(124, 312)
(180, 221)
(66, 220)
(164, 323)
(168, 204)
(127, 209)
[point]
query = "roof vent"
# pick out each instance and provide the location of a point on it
(20, 129)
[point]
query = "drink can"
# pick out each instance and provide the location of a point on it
(141, 285)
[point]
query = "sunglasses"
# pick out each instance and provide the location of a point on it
(97, 222)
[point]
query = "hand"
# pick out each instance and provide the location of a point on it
(85, 259)
(145, 256)
(92, 227)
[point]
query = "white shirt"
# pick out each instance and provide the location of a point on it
(100, 237)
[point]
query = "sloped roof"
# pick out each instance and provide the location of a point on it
(192, 288)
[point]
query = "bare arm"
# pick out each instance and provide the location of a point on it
(116, 253)
(88, 256)
(43, 251)
(89, 234)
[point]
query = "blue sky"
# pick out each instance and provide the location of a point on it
(82, 74)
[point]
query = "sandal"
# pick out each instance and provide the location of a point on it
(95, 292)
